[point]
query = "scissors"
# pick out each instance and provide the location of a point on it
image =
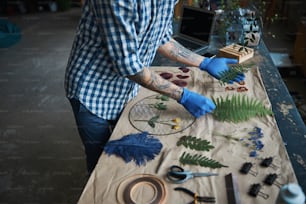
(177, 174)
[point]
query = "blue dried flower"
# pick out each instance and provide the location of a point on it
(254, 136)
(258, 145)
(256, 131)
(253, 153)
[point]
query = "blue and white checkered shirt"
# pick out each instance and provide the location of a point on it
(114, 39)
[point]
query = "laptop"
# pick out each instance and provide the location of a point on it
(195, 28)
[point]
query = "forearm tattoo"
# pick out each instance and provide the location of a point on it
(149, 79)
(179, 51)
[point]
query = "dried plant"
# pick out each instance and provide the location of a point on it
(194, 143)
(200, 160)
(235, 69)
(238, 108)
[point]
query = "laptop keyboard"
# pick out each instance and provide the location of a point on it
(187, 43)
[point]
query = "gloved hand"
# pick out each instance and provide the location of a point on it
(196, 104)
(215, 66)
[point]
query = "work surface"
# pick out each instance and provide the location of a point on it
(107, 182)
(290, 123)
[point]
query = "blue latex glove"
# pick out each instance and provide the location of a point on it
(215, 66)
(196, 104)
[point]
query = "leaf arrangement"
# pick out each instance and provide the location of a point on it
(199, 145)
(197, 159)
(160, 105)
(238, 108)
(229, 75)
(194, 143)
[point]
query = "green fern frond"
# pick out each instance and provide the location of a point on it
(197, 159)
(231, 74)
(194, 143)
(238, 109)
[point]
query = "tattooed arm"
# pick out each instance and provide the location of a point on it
(175, 51)
(151, 80)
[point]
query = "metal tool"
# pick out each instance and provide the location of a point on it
(177, 174)
(233, 195)
(195, 196)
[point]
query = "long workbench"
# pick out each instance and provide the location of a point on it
(115, 181)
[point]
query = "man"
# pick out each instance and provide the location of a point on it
(115, 43)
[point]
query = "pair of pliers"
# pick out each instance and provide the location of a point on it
(195, 196)
(177, 174)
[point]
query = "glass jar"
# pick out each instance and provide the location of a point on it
(252, 25)
(234, 34)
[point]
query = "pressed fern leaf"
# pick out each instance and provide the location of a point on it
(238, 109)
(230, 74)
(194, 143)
(200, 160)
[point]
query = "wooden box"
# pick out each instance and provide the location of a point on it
(237, 52)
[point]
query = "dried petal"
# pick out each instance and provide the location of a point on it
(175, 127)
(177, 120)
(182, 76)
(184, 69)
(166, 75)
(180, 83)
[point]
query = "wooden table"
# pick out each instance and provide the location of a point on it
(111, 172)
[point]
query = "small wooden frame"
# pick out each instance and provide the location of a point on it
(236, 51)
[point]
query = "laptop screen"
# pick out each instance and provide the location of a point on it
(197, 23)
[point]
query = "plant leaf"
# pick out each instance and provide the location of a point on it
(199, 160)
(231, 74)
(160, 106)
(194, 143)
(238, 109)
(253, 36)
(153, 120)
(162, 97)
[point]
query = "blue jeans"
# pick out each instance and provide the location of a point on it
(94, 132)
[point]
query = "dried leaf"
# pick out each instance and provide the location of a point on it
(194, 143)
(200, 160)
(238, 109)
